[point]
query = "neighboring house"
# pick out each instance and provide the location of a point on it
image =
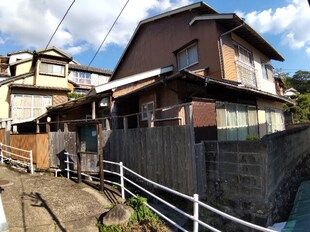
(196, 55)
(83, 78)
(291, 92)
(37, 79)
(32, 81)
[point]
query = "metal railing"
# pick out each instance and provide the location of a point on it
(194, 199)
(16, 155)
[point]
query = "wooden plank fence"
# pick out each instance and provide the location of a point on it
(58, 142)
(161, 154)
(38, 143)
(3, 133)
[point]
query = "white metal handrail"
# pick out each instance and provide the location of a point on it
(194, 199)
(7, 155)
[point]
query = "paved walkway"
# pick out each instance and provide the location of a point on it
(47, 203)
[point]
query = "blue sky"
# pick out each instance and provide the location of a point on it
(283, 23)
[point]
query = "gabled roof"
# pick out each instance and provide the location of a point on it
(43, 50)
(246, 32)
(22, 76)
(130, 79)
(20, 52)
(231, 21)
(207, 9)
(90, 69)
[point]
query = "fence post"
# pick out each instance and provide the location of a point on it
(1, 154)
(31, 162)
(79, 169)
(68, 165)
(121, 170)
(196, 213)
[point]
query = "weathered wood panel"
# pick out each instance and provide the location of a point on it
(41, 151)
(58, 143)
(35, 142)
(3, 136)
(161, 154)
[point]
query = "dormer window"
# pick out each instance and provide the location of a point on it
(187, 57)
(52, 69)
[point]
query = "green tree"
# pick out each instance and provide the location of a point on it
(299, 81)
(301, 111)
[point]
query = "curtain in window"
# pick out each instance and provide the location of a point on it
(253, 124)
(28, 106)
(192, 55)
(242, 122)
(232, 124)
(268, 121)
(221, 121)
(182, 60)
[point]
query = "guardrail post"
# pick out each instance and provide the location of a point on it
(79, 168)
(68, 165)
(1, 154)
(121, 170)
(196, 213)
(31, 162)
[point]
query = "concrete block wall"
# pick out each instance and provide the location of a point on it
(247, 177)
(236, 172)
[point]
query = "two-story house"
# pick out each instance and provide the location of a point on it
(32, 81)
(83, 78)
(36, 80)
(216, 62)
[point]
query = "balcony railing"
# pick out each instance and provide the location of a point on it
(246, 74)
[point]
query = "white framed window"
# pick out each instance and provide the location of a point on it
(26, 106)
(81, 77)
(52, 69)
(245, 55)
(187, 57)
(236, 121)
(147, 108)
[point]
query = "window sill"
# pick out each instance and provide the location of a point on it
(188, 66)
(53, 75)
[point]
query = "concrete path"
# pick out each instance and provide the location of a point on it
(47, 203)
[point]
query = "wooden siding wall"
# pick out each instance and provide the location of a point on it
(3, 136)
(229, 59)
(162, 154)
(38, 143)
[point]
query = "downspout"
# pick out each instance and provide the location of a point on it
(221, 46)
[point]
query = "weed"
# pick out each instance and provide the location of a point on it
(142, 217)
(141, 211)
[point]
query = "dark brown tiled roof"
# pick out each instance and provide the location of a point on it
(38, 87)
(90, 69)
(16, 78)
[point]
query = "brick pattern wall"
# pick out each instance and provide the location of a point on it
(204, 119)
(59, 99)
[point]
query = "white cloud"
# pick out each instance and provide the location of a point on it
(2, 41)
(291, 22)
(31, 23)
(308, 51)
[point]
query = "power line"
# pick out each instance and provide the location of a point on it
(59, 24)
(108, 33)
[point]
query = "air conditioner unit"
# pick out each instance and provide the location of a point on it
(104, 102)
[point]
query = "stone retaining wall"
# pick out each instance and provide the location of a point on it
(248, 179)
